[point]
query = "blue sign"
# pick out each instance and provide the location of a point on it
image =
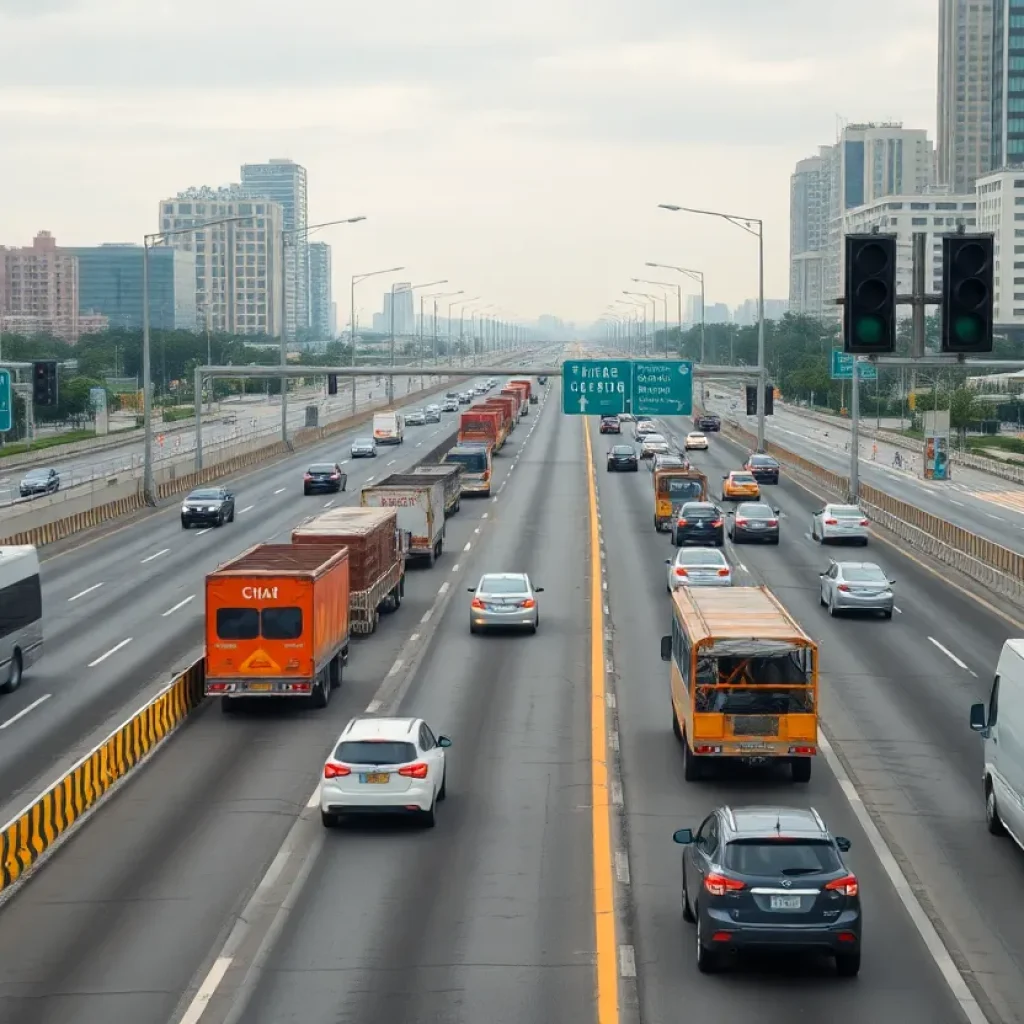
(6, 406)
(662, 387)
(596, 387)
(842, 367)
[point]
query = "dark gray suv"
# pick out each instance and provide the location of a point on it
(769, 878)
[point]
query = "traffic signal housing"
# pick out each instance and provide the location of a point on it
(332, 383)
(869, 305)
(769, 399)
(44, 382)
(751, 399)
(968, 291)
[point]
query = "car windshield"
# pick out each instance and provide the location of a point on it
(471, 462)
(699, 509)
(37, 474)
(863, 574)
(622, 449)
(695, 556)
(756, 511)
(322, 467)
(654, 439)
(609, 419)
(742, 478)
(503, 585)
(846, 512)
(363, 442)
(762, 460)
(780, 857)
(696, 437)
(205, 496)
(375, 752)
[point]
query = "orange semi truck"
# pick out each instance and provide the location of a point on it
(531, 394)
(516, 394)
(277, 624)
(507, 405)
(523, 387)
(481, 424)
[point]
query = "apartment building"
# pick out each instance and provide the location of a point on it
(1000, 196)
(39, 289)
(809, 210)
(321, 305)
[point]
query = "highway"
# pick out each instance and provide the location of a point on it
(977, 501)
(250, 418)
(491, 915)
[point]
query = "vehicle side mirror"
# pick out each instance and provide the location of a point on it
(683, 836)
(538, 590)
(443, 741)
(843, 844)
(777, 511)
(668, 561)
(978, 723)
(892, 583)
(470, 590)
(730, 512)
(725, 478)
(666, 648)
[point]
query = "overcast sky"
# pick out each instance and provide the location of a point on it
(517, 149)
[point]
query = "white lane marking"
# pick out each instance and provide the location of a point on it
(742, 566)
(201, 532)
(150, 558)
(392, 462)
(88, 590)
(24, 711)
(396, 668)
(443, 589)
(468, 544)
(949, 654)
(344, 462)
(627, 962)
(477, 530)
(414, 638)
(455, 567)
(494, 498)
(369, 478)
(613, 739)
(486, 514)
(925, 928)
(210, 984)
(998, 519)
(180, 604)
(328, 504)
(898, 611)
(373, 707)
(426, 616)
(315, 798)
(420, 443)
(953, 501)
(622, 867)
(280, 490)
(248, 508)
(113, 650)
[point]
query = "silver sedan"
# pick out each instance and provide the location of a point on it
(504, 600)
(698, 567)
(841, 523)
(857, 586)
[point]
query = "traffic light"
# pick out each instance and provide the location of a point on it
(751, 399)
(869, 307)
(44, 382)
(967, 292)
(769, 399)
(332, 383)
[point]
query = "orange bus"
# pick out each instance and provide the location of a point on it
(744, 680)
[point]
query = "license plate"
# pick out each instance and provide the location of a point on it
(755, 746)
(756, 526)
(785, 903)
(375, 778)
(259, 687)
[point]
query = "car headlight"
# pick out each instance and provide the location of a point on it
(184, 508)
(211, 508)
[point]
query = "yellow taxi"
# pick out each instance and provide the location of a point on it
(740, 485)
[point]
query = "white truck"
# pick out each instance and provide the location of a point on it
(388, 428)
(420, 502)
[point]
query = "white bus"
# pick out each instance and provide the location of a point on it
(21, 614)
(388, 427)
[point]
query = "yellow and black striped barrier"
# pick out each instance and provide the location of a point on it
(27, 837)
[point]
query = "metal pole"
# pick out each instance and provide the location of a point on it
(664, 300)
(761, 377)
(391, 379)
(855, 433)
(679, 313)
(198, 386)
(920, 253)
(352, 326)
(148, 491)
(702, 356)
(284, 332)
(435, 337)
(450, 304)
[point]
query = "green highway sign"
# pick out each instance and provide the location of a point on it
(596, 387)
(6, 405)
(662, 387)
(842, 367)
(606, 387)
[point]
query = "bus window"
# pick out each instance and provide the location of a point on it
(756, 685)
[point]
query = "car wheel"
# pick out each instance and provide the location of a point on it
(329, 820)
(676, 728)
(691, 763)
(429, 817)
(227, 706)
(993, 822)
(474, 629)
(184, 523)
(231, 518)
(801, 769)
(887, 614)
(220, 520)
(707, 961)
(442, 793)
(821, 598)
(305, 491)
(832, 607)
(848, 964)
(687, 912)
(321, 694)
(14, 676)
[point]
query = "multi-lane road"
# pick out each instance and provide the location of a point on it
(492, 915)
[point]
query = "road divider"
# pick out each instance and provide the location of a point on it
(30, 836)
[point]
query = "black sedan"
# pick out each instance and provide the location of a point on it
(754, 520)
(39, 481)
(364, 448)
(763, 468)
(699, 522)
(623, 459)
(209, 506)
(708, 423)
(324, 477)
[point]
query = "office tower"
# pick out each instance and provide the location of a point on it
(964, 144)
(405, 318)
(809, 210)
(238, 277)
(40, 289)
(110, 282)
(320, 300)
(284, 182)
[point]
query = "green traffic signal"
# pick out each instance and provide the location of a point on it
(968, 329)
(869, 330)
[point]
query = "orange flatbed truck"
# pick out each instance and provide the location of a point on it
(277, 624)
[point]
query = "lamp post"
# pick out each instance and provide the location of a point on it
(698, 276)
(396, 289)
(356, 278)
(469, 304)
(679, 306)
(653, 300)
(462, 305)
(753, 226)
(642, 332)
(434, 296)
(473, 315)
(148, 489)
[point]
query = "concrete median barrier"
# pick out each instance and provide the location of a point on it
(33, 833)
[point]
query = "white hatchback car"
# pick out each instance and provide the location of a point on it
(384, 766)
(696, 441)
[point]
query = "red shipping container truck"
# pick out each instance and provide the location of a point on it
(517, 395)
(480, 424)
(504, 408)
(523, 387)
(376, 554)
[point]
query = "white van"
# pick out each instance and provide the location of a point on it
(388, 428)
(21, 614)
(1001, 726)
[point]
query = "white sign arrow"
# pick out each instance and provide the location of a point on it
(583, 403)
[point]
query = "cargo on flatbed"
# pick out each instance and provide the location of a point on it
(376, 555)
(277, 623)
(451, 477)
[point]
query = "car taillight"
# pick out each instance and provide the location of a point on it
(681, 572)
(681, 522)
(831, 522)
(335, 771)
(717, 522)
(528, 603)
(845, 886)
(477, 603)
(487, 475)
(844, 588)
(773, 522)
(335, 476)
(719, 885)
(741, 522)
(307, 477)
(414, 771)
(864, 522)
(723, 572)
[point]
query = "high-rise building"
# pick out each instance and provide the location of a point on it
(39, 290)
(1007, 83)
(964, 144)
(238, 279)
(110, 282)
(746, 313)
(1000, 197)
(810, 203)
(405, 318)
(320, 301)
(284, 182)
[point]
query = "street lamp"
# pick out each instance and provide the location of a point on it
(474, 315)
(294, 233)
(148, 490)
(468, 304)
(696, 275)
(679, 306)
(435, 296)
(401, 289)
(653, 299)
(356, 278)
(753, 226)
(462, 305)
(642, 334)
